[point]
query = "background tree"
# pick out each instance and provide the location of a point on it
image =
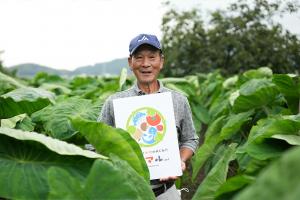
(245, 36)
(5, 71)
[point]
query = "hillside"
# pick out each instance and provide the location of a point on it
(113, 67)
(30, 69)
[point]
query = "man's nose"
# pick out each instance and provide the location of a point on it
(146, 62)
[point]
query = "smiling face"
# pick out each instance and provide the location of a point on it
(146, 63)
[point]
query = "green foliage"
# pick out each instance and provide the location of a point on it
(25, 158)
(55, 118)
(247, 122)
(260, 145)
(43, 77)
(253, 110)
(24, 100)
(278, 181)
(130, 185)
(107, 140)
(243, 37)
(255, 93)
(216, 176)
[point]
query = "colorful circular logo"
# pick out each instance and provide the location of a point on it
(147, 126)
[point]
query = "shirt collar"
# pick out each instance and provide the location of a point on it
(138, 91)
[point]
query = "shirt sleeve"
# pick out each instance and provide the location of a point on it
(188, 137)
(107, 113)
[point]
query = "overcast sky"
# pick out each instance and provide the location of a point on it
(66, 34)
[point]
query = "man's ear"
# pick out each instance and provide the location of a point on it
(162, 60)
(130, 62)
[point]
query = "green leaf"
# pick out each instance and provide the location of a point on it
(291, 139)
(26, 124)
(255, 93)
(233, 184)
(290, 88)
(173, 80)
(278, 181)
(215, 127)
(260, 144)
(218, 108)
(203, 153)
(287, 125)
(261, 72)
(287, 85)
(216, 176)
(200, 112)
(100, 183)
(248, 164)
(55, 88)
(268, 149)
(22, 122)
(24, 100)
(208, 147)
(107, 139)
(230, 82)
(55, 119)
(130, 184)
(176, 88)
(25, 158)
(12, 122)
(122, 79)
(8, 79)
(234, 123)
(62, 185)
(57, 146)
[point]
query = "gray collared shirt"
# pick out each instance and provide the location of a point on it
(183, 117)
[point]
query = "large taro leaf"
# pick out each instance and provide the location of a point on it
(25, 158)
(187, 86)
(291, 139)
(12, 122)
(255, 93)
(289, 86)
(200, 112)
(216, 176)
(260, 144)
(55, 119)
(58, 89)
(107, 139)
(219, 107)
(24, 100)
(234, 124)
(258, 73)
(122, 79)
(217, 132)
(100, 183)
(7, 79)
(280, 180)
(233, 184)
(21, 121)
(230, 82)
(207, 148)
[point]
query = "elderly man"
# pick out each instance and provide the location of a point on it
(146, 60)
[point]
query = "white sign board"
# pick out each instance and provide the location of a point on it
(150, 121)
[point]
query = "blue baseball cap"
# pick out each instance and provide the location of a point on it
(143, 39)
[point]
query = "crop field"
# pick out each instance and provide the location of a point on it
(248, 124)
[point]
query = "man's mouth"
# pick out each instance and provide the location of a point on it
(146, 72)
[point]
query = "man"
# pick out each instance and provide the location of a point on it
(146, 60)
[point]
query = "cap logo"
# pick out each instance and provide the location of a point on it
(143, 38)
